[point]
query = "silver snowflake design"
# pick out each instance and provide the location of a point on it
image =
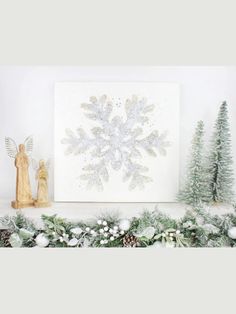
(116, 142)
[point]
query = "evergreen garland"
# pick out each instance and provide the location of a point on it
(198, 228)
(220, 170)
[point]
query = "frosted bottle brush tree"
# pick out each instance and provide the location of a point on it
(220, 169)
(193, 192)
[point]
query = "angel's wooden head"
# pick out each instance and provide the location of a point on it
(41, 163)
(22, 148)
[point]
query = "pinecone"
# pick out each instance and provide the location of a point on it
(130, 241)
(4, 238)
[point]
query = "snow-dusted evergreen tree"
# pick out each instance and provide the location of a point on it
(193, 192)
(220, 169)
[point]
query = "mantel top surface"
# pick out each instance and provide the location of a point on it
(83, 211)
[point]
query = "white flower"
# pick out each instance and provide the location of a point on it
(64, 234)
(105, 241)
(163, 234)
(171, 234)
(102, 242)
(106, 229)
(232, 233)
(177, 231)
(104, 223)
(61, 239)
(112, 238)
(92, 231)
(87, 229)
(105, 235)
(76, 230)
(111, 231)
(73, 242)
(122, 232)
(99, 222)
(41, 240)
(101, 231)
(115, 228)
(124, 224)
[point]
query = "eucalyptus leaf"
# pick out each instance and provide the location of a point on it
(25, 234)
(158, 236)
(147, 233)
(15, 240)
(73, 242)
(49, 224)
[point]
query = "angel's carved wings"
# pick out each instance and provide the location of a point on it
(29, 145)
(11, 147)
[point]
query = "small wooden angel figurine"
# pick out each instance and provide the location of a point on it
(42, 177)
(23, 189)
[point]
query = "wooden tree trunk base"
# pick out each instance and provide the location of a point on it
(18, 205)
(41, 204)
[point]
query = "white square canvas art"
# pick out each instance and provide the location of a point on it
(116, 141)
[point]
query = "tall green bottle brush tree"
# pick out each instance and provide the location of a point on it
(220, 166)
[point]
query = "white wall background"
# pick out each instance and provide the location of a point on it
(27, 104)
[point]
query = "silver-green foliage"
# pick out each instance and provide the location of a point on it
(198, 228)
(22, 230)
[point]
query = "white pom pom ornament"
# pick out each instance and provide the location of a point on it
(232, 233)
(41, 240)
(76, 230)
(124, 224)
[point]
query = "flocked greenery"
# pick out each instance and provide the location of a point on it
(210, 177)
(198, 228)
(220, 169)
(194, 191)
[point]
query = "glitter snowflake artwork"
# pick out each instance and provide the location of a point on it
(116, 142)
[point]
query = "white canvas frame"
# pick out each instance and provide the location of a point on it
(164, 170)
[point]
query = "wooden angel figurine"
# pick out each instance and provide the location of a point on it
(42, 177)
(23, 189)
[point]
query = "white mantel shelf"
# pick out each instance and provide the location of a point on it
(84, 211)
